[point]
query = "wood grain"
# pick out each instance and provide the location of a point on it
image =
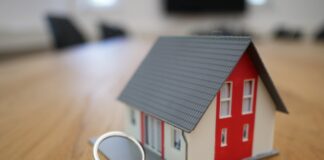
(52, 103)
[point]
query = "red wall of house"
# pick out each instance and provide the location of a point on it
(237, 149)
(142, 128)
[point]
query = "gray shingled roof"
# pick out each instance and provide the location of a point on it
(180, 77)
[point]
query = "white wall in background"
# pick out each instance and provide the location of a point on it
(22, 23)
(305, 14)
(17, 15)
(146, 16)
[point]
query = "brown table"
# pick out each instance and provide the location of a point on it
(51, 103)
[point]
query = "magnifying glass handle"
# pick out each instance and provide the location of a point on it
(115, 134)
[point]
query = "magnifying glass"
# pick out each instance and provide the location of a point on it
(119, 145)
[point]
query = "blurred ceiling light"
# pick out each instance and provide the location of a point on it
(103, 3)
(257, 2)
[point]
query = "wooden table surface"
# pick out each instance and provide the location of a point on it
(52, 103)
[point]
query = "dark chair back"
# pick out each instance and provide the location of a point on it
(109, 31)
(64, 32)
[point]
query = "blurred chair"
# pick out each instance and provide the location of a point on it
(319, 35)
(287, 33)
(109, 31)
(64, 32)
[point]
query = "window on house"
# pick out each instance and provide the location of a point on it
(153, 134)
(225, 100)
(133, 116)
(176, 134)
(147, 134)
(245, 132)
(224, 137)
(247, 97)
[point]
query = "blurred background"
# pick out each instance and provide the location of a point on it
(34, 25)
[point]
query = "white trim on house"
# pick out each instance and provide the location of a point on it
(245, 135)
(223, 137)
(152, 134)
(133, 119)
(176, 138)
(228, 99)
(248, 97)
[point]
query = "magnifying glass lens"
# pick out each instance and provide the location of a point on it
(118, 146)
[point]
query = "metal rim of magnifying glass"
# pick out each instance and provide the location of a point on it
(115, 134)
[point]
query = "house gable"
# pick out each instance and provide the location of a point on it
(264, 75)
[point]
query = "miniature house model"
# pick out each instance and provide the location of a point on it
(203, 97)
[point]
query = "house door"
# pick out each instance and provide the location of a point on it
(153, 134)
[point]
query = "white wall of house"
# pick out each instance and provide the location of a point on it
(130, 128)
(170, 152)
(264, 121)
(201, 141)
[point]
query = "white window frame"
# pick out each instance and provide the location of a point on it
(133, 116)
(223, 133)
(226, 99)
(246, 128)
(248, 96)
(152, 135)
(174, 134)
